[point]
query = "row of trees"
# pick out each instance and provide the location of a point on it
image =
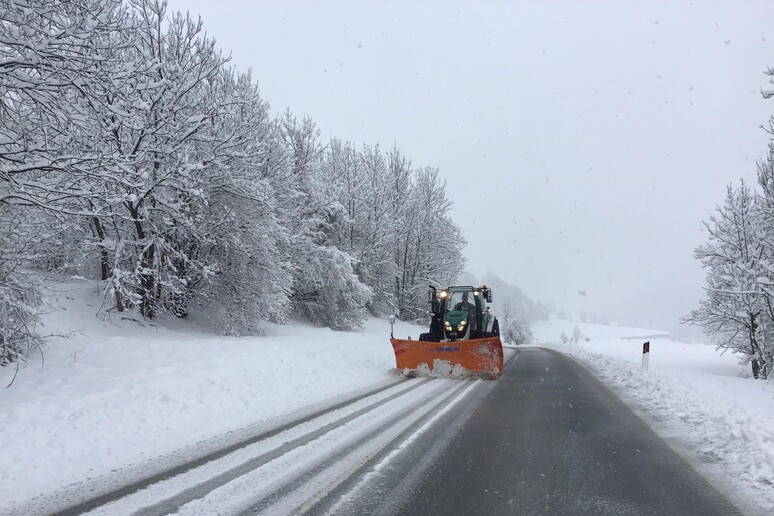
(132, 152)
(739, 307)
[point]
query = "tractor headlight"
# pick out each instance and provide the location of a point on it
(460, 327)
(447, 325)
(463, 323)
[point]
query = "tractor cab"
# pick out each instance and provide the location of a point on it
(460, 313)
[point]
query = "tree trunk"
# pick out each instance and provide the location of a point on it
(119, 301)
(104, 261)
(147, 280)
(148, 284)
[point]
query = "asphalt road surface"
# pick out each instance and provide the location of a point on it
(546, 438)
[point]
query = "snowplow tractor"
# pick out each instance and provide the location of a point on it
(463, 341)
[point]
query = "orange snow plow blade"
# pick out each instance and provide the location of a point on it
(475, 357)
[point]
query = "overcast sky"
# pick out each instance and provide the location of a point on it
(583, 142)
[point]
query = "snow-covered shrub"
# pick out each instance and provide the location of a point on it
(329, 292)
(515, 325)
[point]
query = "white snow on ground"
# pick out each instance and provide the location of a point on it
(121, 393)
(703, 402)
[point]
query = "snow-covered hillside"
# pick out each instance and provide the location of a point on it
(701, 401)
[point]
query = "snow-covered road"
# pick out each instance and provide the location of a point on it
(121, 402)
(292, 468)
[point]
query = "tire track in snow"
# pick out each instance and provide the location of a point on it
(320, 459)
(302, 494)
(169, 494)
(201, 489)
(113, 495)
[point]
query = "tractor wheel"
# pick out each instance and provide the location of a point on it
(427, 337)
(496, 328)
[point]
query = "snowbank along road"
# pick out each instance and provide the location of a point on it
(547, 438)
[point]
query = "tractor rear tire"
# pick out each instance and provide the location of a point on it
(496, 328)
(428, 337)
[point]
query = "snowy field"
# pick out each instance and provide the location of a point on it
(702, 402)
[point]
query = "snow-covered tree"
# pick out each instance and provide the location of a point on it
(515, 326)
(361, 184)
(49, 159)
(577, 335)
(167, 137)
(734, 311)
(252, 279)
(395, 224)
(430, 243)
(326, 287)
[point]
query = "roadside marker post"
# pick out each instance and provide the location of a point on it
(645, 355)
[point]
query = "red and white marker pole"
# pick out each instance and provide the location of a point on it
(645, 355)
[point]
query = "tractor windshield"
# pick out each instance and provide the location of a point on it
(463, 301)
(456, 300)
